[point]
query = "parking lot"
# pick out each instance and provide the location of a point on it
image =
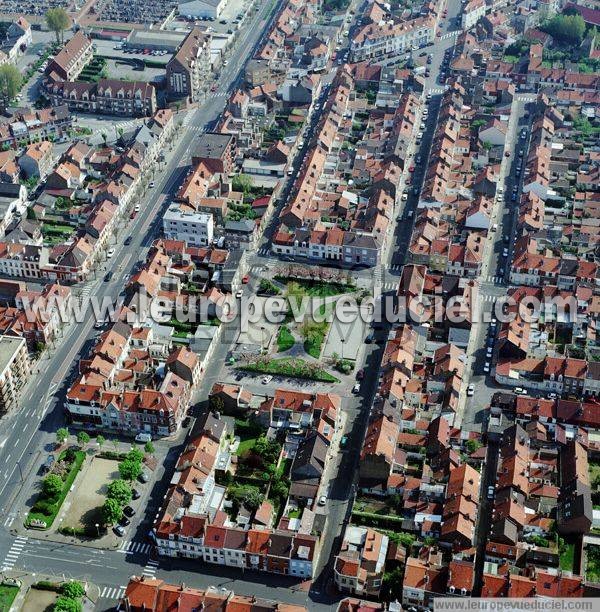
(114, 50)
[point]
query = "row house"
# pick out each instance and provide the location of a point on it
(376, 40)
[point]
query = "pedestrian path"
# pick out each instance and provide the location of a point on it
(436, 90)
(488, 298)
(110, 592)
(448, 35)
(218, 94)
(496, 280)
(265, 250)
(13, 554)
(10, 519)
(131, 547)
(150, 568)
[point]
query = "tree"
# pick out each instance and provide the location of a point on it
(130, 470)
(120, 491)
(52, 485)
(10, 82)
(100, 441)
(473, 445)
(135, 454)
(72, 589)
(252, 499)
(83, 438)
(566, 29)
(62, 435)
(57, 21)
(149, 448)
(115, 443)
(242, 182)
(67, 604)
(111, 512)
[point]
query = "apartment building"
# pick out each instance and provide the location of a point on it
(188, 71)
(359, 567)
(37, 160)
(473, 11)
(194, 228)
(107, 96)
(376, 40)
(71, 59)
(14, 371)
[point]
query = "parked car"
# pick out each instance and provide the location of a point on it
(119, 530)
(322, 500)
(108, 276)
(47, 465)
(470, 390)
(486, 367)
(128, 511)
(360, 374)
(143, 437)
(143, 477)
(124, 521)
(135, 494)
(490, 492)
(110, 253)
(356, 388)
(128, 240)
(267, 379)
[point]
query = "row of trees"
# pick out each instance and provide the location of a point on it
(120, 491)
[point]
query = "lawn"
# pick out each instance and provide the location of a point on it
(248, 434)
(285, 340)
(314, 335)
(49, 514)
(8, 593)
(292, 368)
(314, 288)
(567, 558)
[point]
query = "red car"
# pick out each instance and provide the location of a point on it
(411, 169)
(245, 280)
(132, 215)
(214, 87)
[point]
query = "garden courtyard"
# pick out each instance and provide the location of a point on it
(310, 341)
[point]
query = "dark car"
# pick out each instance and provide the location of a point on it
(186, 422)
(360, 374)
(108, 276)
(129, 240)
(119, 530)
(135, 494)
(369, 339)
(128, 511)
(47, 465)
(124, 521)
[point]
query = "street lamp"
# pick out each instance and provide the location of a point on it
(97, 525)
(343, 340)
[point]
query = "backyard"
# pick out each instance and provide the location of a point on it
(592, 564)
(567, 557)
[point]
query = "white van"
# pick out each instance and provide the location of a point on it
(143, 437)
